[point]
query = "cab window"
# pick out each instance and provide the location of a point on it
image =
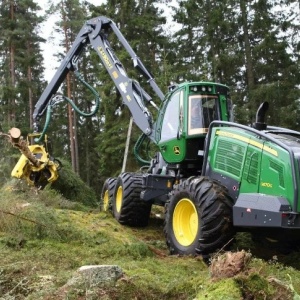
(203, 109)
(170, 125)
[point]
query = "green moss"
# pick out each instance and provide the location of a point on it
(226, 289)
(69, 239)
(255, 286)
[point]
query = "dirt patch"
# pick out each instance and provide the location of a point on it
(229, 264)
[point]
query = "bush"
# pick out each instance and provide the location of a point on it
(71, 186)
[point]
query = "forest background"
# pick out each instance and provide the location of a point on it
(252, 46)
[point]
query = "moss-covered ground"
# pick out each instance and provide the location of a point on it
(45, 238)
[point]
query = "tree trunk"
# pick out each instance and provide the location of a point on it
(12, 102)
(69, 93)
(248, 53)
(71, 129)
(76, 154)
(248, 59)
(30, 94)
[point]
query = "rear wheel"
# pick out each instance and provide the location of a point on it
(128, 208)
(107, 194)
(198, 217)
(217, 229)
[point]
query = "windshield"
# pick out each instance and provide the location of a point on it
(203, 109)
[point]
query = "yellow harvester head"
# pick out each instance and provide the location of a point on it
(44, 171)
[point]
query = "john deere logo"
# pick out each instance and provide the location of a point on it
(176, 150)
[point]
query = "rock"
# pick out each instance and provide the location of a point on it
(96, 275)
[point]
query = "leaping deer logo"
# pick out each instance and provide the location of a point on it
(176, 150)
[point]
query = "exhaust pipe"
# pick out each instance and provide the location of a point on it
(260, 116)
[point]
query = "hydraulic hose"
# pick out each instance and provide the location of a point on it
(47, 121)
(137, 147)
(71, 102)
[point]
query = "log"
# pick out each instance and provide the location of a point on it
(23, 147)
(18, 142)
(15, 134)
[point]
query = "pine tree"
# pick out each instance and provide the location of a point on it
(81, 133)
(21, 68)
(21, 61)
(72, 17)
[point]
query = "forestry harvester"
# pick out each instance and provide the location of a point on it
(213, 176)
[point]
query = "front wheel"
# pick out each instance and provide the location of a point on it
(198, 217)
(128, 208)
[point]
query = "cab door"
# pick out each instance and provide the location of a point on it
(171, 143)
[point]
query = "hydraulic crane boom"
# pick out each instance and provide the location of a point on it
(94, 32)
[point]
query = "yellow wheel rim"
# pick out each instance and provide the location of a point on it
(119, 199)
(185, 222)
(105, 201)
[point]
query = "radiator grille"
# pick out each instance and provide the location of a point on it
(279, 169)
(229, 157)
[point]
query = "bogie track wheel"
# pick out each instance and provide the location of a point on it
(128, 208)
(107, 194)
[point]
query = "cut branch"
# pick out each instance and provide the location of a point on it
(22, 218)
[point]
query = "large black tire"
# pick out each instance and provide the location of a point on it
(128, 208)
(198, 217)
(107, 194)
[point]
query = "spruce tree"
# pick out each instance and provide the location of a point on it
(246, 45)
(205, 43)
(271, 65)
